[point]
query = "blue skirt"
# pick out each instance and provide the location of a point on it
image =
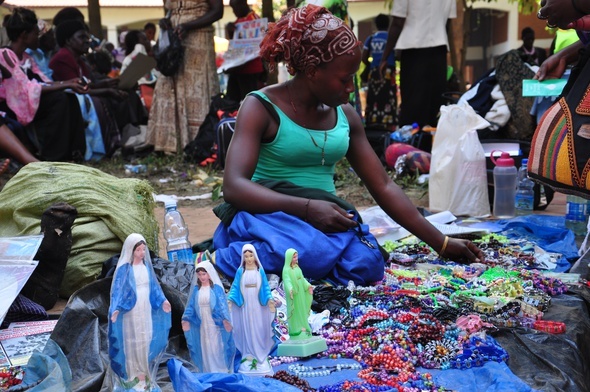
(336, 257)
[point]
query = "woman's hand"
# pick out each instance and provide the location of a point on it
(328, 217)
(310, 289)
(181, 31)
(271, 306)
(463, 250)
(552, 68)
(559, 13)
(227, 325)
(166, 306)
(186, 326)
(114, 316)
(77, 85)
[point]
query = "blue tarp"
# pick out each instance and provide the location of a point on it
(547, 231)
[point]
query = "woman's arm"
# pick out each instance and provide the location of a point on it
(213, 15)
(395, 30)
(391, 198)
(252, 122)
(554, 66)
(76, 85)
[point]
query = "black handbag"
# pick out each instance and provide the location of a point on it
(169, 51)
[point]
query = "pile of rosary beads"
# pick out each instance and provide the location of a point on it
(410, 320)
(11, 376)
(297, 382)
(320, 371)
(276, 361)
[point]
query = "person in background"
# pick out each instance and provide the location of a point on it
(4, 40)
(119, 113)
(531, 54)
(181, 102)
(251, 75)
(45, 48)
(31, 98)
(422, 48)
(137, 42)
(13, 147)
(381, 109)
(150, 32)
(279, 173)
(119, 53)
(562, 42)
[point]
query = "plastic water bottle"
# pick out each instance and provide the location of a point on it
(576, 214)
(505, 178)
(525, 194)
(176, 234)
(405, 133)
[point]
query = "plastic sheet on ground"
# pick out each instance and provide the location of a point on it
(184, 380)
(547, 231)
(46, 371)
(540, 360)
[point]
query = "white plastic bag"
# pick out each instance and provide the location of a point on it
(458, 178)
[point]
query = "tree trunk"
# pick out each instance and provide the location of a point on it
(94, 20)
(267, 10)
(466, 30)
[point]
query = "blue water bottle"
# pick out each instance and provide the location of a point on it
(178, 246)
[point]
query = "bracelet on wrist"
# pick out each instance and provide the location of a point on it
(307, 208)
(444, 246)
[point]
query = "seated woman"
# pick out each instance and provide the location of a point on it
(12, 146)
(136, 42)
(51, 116)
(116, 108)
(295, 153)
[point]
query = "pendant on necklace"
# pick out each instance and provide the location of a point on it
(323, 148)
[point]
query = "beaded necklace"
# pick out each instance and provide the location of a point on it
(323, 147)
(300, 370)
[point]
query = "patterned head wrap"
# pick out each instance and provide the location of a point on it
(307, 37)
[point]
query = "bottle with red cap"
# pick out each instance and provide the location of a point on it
(505, 182)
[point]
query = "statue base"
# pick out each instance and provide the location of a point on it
(260, 369)
(302, 348)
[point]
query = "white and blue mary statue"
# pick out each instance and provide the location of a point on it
(139, 319)
(253, 312)
(206, 322)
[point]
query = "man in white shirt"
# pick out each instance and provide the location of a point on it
(419, 33)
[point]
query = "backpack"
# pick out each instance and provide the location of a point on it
(203, 145)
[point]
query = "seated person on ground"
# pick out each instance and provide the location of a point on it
(136, 42)
(279, 170)
(52, 117)
(116, 108)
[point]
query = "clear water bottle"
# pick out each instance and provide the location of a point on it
(505, 179)
(176, 234)
(405, 133)
(525, 193)
(576, 214)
